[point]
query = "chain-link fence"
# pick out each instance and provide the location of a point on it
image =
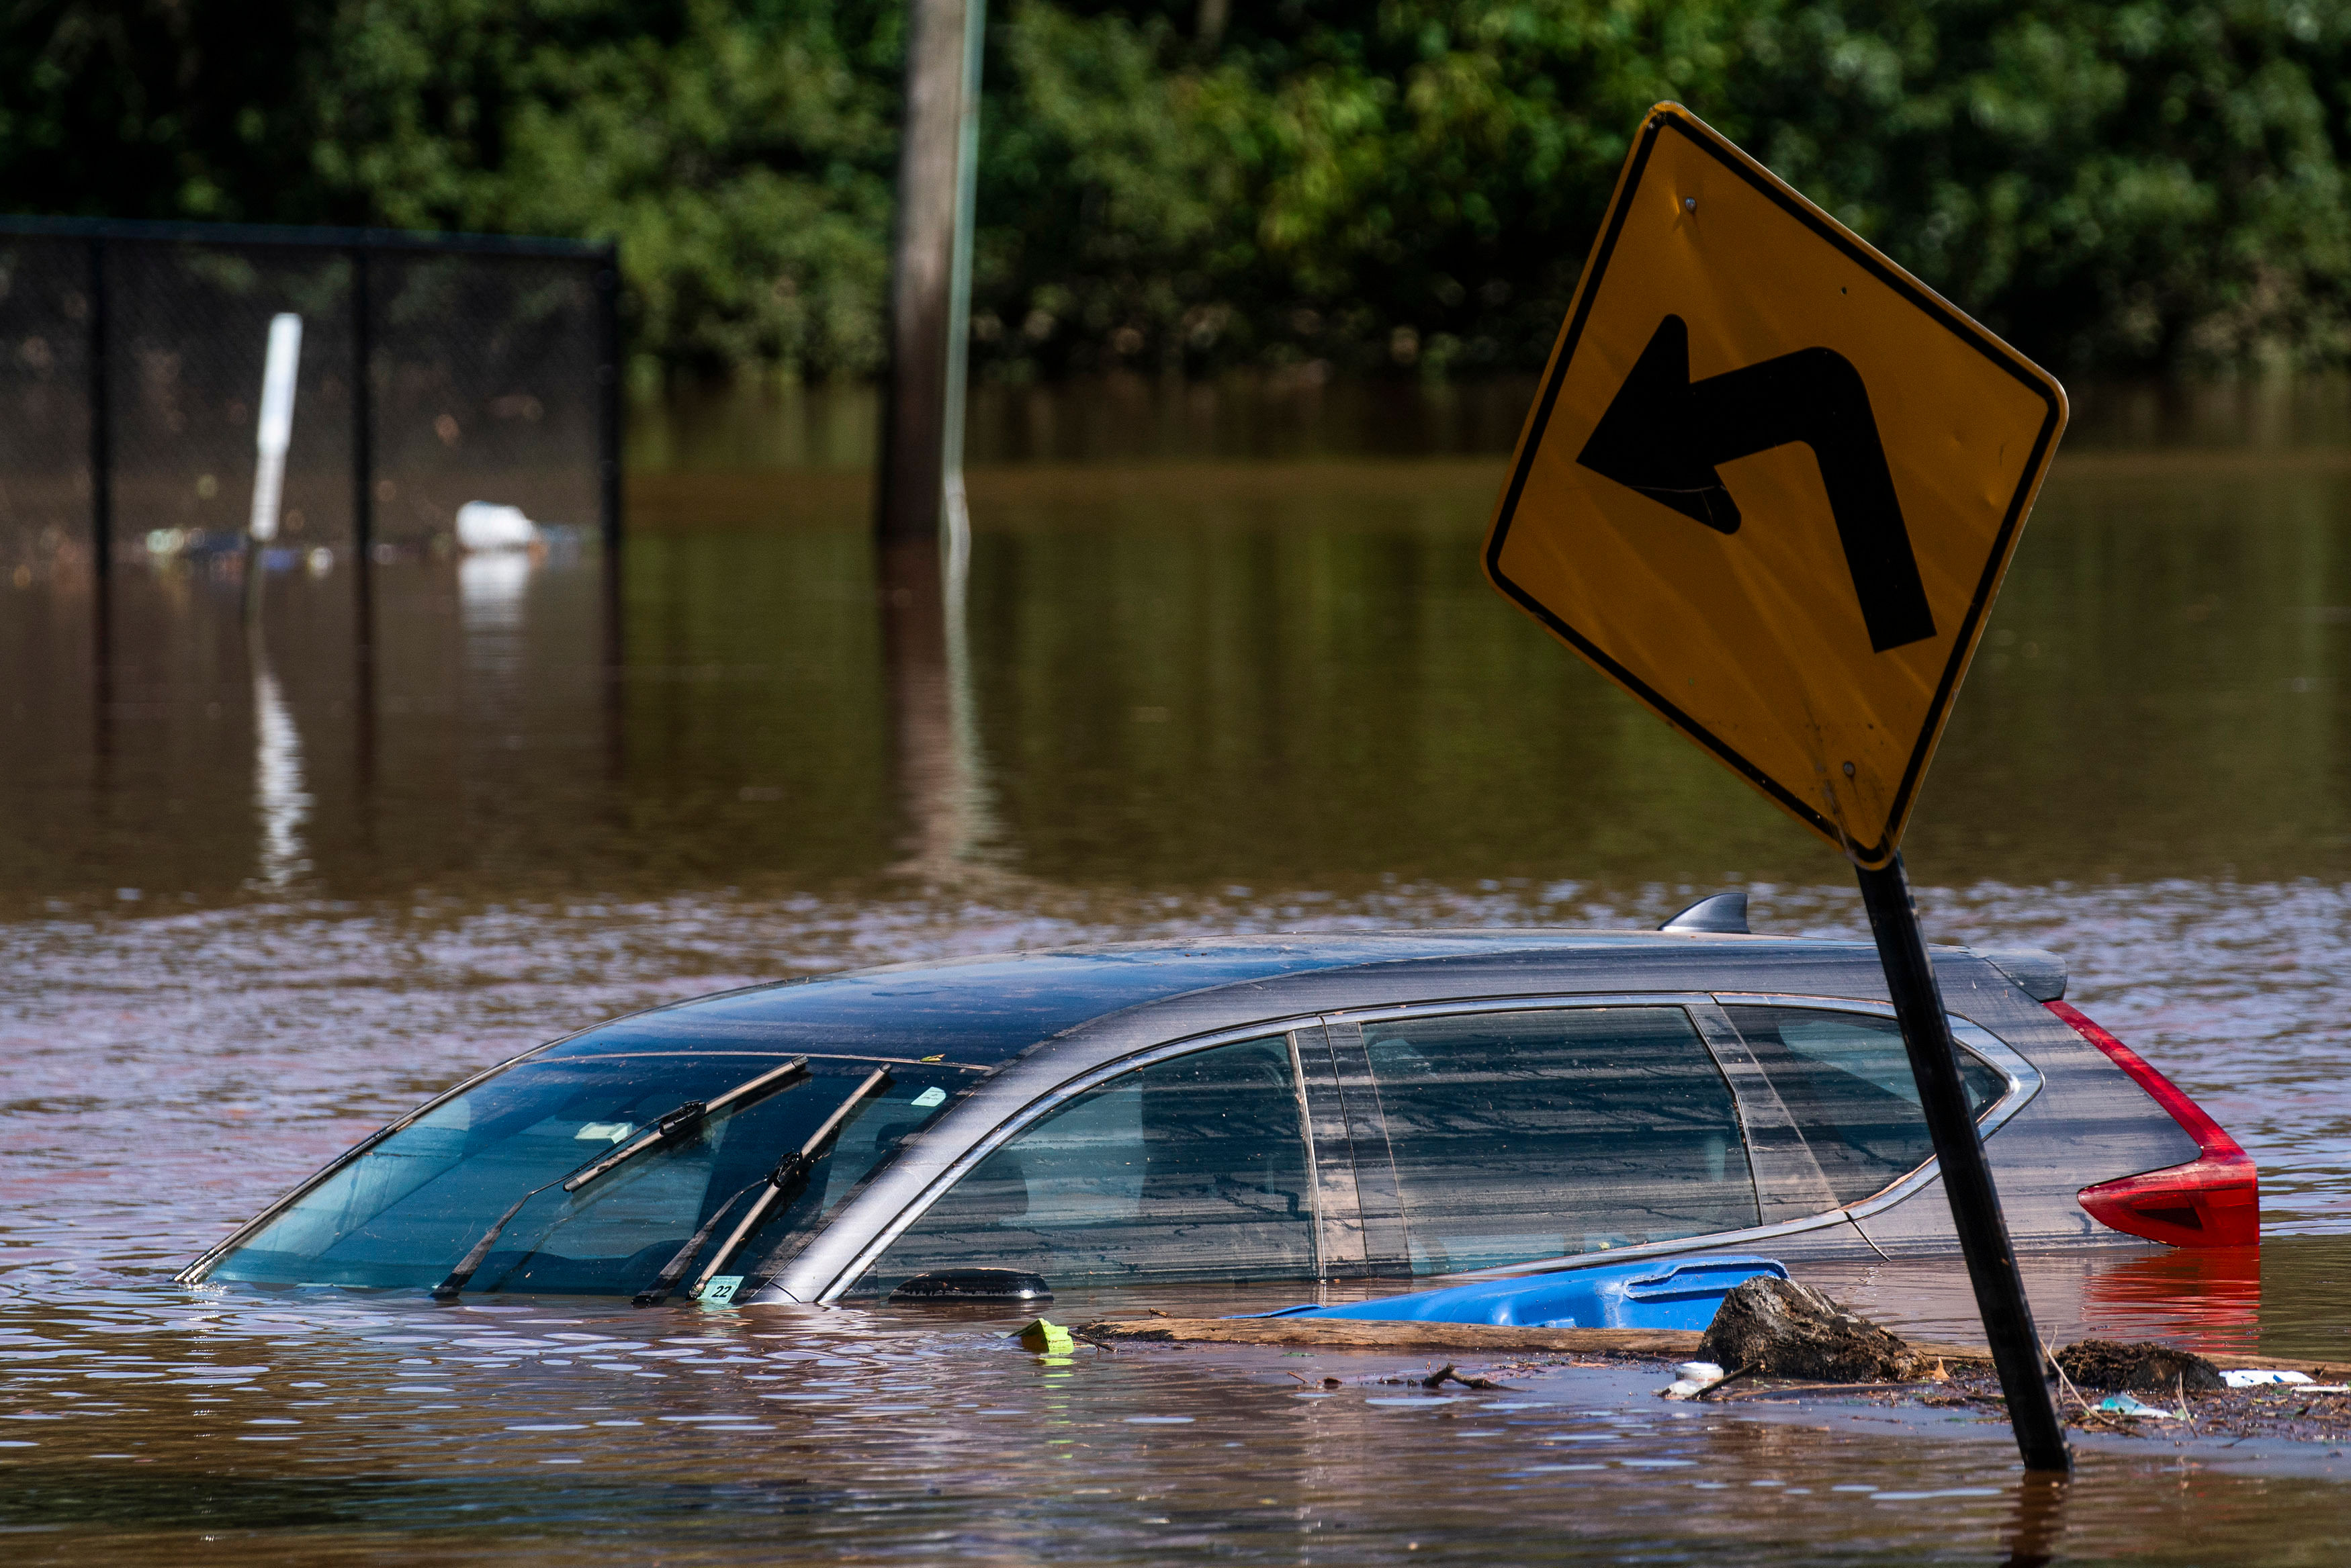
(434, 372)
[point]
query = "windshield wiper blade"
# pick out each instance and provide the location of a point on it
(687, 1119)
(790, 1174)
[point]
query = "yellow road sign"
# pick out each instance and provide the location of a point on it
(1772, 483)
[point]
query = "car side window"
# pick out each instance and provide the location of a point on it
(1189, 1168)
(1845, 1080)
(1518, 1135)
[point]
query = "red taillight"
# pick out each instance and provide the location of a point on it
(2214, 1200)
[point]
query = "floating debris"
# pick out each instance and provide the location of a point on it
(1692, 1378)
(488, 525)
(2149, 1368)
(2258, 1376)
(1445, 1374)
(1046, 1338)
(1779, 1328)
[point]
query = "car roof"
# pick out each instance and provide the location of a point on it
(981, 1010)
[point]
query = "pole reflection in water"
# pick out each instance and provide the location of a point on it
(280, 793)
(2038, 1526)
(935, 716)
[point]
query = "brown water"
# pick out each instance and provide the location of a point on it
(1228, 666)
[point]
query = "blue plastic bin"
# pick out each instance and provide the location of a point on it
(1671, 1293)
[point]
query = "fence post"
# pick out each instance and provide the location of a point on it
(101, 437)
(364, 431)
(607, 478)
(363, 515)
(608, 403)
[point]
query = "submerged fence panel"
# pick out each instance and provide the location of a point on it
(434, 371)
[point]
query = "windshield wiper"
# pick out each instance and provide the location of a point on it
(791, 1173)
(687, 1120)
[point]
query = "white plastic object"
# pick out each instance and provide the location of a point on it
(1692, 1378)
(2255, 1376)
(275, 431)
(492, 526)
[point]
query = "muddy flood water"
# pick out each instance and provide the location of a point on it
(1227, 667)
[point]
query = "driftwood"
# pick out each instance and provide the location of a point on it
(2141, 1368)
(1778, 1329)
(1365, 1333)
(1615, 1344)
(1445, 1374)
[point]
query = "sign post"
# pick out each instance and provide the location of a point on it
(1967, 1177)
(1770, 487)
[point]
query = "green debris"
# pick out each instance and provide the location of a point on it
(1047, 1338)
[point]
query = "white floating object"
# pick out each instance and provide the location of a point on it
(2255, 1376)
(492, 526)
(2125, 1405)
(275, 430)
(1692, 1378)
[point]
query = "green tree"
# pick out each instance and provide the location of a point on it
(1408, 185)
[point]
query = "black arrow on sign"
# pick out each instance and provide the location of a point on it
(1663, 434)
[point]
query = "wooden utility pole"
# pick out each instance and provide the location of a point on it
(920, 523)
(930, 273)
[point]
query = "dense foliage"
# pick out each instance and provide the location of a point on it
(1188, 183)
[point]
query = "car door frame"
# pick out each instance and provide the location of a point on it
(831, 1266)
(1374, 1163)
(2024, 1082)
(1776, 1151)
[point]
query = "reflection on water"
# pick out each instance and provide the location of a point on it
(277, 792)
(943, 789)
(303, 1429)
(257, 903)
(490, 595)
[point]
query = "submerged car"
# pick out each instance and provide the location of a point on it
(1445, 1104)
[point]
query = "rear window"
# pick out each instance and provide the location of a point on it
(1845, 1080)
(1534, 1134)
(405, 1211)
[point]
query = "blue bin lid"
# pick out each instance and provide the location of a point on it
(1507, 1300)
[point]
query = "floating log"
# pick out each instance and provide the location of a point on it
(1346, 1334)
(1613, 1344)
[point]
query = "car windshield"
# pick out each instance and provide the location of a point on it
(405, 1211)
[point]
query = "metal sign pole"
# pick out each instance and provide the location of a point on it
(1966, 1175)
